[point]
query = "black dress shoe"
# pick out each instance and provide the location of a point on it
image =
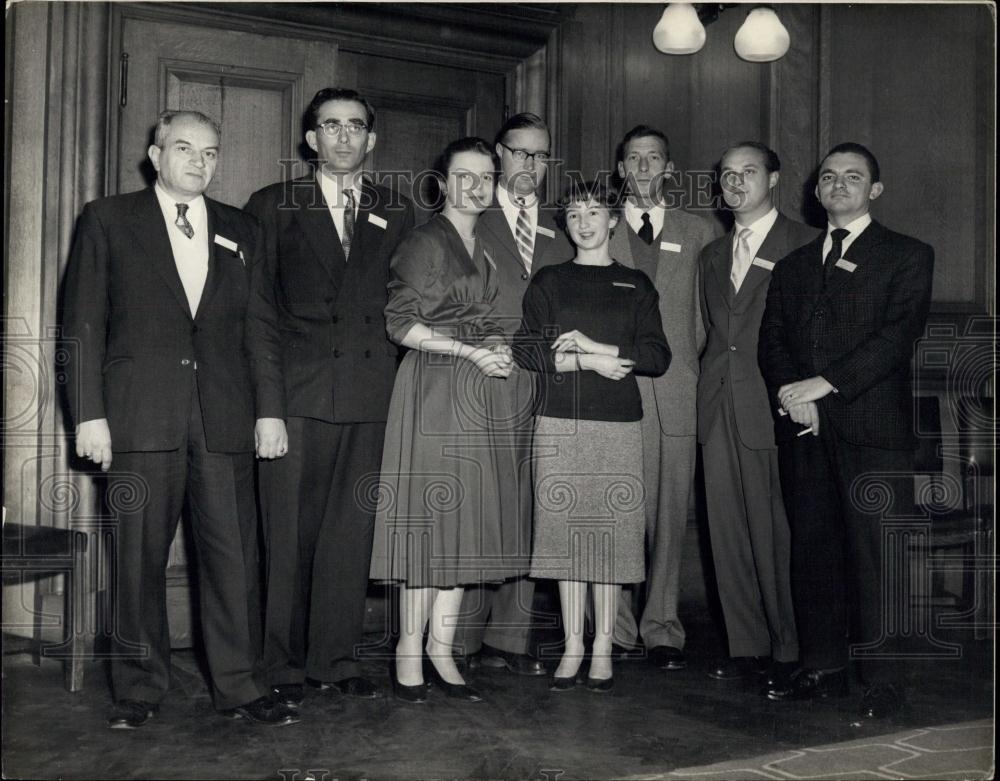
(458, 691)
(600, 685)
(778, 672)
(265, 711)
(522, 664)
(622, 653)
(132, 714)
(807, 683)
(666, 657)
(739, 667)
(882, 701)
(358, 687)
(290, 694)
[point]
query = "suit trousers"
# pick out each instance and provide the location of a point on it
(147, 492)
(318, 506)
(668, 476)
(497, 614)
(841, 500)
(751, 542)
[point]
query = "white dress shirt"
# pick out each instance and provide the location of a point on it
(337, 202)
(758, 233)
(855, 228)
(190, 255)
(633, 216)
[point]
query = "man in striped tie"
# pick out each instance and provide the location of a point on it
(523, 237)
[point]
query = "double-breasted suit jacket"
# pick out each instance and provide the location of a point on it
(338, 369)
(732, 321)
(338, 362)
(668, 427)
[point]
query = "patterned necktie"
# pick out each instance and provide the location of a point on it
(348, 236)
(646, 231)
(182, 220)
(741, 258)
(833, 255)
(522, 235)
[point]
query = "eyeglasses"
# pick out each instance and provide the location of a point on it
(333, 128)
(521, 154)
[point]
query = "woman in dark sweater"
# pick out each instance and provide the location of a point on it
(589, 325)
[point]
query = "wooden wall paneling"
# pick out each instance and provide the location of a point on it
(918, 116)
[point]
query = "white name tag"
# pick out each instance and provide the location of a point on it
(623, 284)
(222, 241)
(766, 264)
(376, 220)
(846, 265)
(546, 232)
(669, 246)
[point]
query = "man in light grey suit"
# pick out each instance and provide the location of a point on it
(664, 243)
(751, 542)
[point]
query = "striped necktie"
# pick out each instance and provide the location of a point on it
(182, 221)
(348, 236)
(523, 236)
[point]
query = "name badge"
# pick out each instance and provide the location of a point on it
(669, 246)
(846, 265)
(623, 284)
(222, 241)
(765, 264)
(376, 220)
(546, 232)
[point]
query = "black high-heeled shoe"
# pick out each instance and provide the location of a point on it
(415, 694)
(458, 691)
(600, 685)
(560, 684)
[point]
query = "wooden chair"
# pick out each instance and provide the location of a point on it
(961, 539)
(31, 552)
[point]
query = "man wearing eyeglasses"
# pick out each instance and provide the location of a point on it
(664, 241)
(523, 237)
(329, 238)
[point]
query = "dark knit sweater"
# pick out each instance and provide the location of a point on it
(610, 304)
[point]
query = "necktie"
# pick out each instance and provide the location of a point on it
(833, 255)
(182, 220)
(522, 235)
(646, 231)
(348, 236)
(741, 258)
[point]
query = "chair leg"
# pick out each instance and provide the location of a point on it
(76, 613)
(983, 581)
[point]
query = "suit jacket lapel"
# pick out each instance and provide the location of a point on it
(150, 233)
(544, 243)
(368, 234)
(216, 225)
(666, 262)
(769, 251)
(320, 232)
(620, 249)
(721, 262)
(858, 253)
(499, 235)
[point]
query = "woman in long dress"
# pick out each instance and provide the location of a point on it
(447, 504)
(590, 325)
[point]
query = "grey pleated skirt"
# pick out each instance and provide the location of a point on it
(589, 501)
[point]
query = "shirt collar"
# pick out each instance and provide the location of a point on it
(330, 188)
(759, 227)
(855, 227)
(507, 199)
(168, 205)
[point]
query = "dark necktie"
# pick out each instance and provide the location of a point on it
(348, 223)
(836, 249)
(182, 220)
(646, 231)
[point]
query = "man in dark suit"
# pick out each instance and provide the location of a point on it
(523, 236)
(329, 238)
(746, 514)
(664, 241)
(836, 342)
(175, 361)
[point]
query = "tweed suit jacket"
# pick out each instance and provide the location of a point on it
(732, 320)
(858, 331)
(338, 363)
(135, 343)
(681, 241)
(551, 246)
